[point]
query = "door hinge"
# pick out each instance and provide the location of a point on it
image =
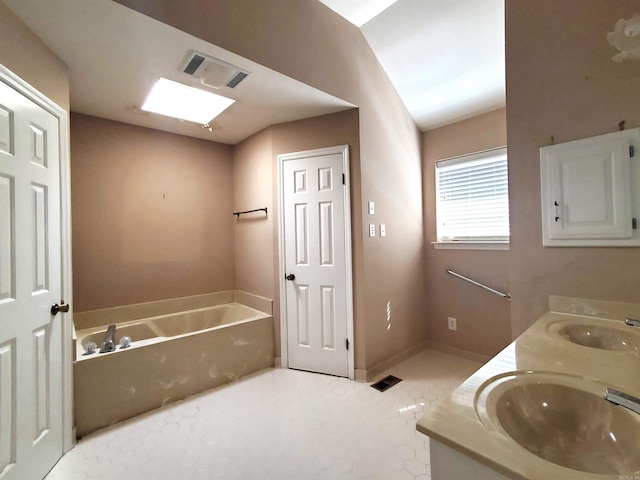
(347, 343)
(634, 223)
(344, 180)
(632, 151)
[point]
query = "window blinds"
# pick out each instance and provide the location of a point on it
(473, 198)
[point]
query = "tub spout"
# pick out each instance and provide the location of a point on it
(109, 344)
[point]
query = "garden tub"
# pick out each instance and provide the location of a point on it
(170, 357)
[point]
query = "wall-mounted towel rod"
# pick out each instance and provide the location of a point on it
(478, 284)
(237, 214)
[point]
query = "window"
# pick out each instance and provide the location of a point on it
(472, 201)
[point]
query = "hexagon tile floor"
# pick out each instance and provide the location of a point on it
(278, 424)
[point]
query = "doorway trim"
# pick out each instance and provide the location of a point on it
(344, 151)
(21, 86)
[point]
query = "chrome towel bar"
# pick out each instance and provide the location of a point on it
(478, 284)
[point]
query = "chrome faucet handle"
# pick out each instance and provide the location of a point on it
(632, 322)
(624, 400)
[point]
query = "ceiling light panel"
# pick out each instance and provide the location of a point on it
(184, 102)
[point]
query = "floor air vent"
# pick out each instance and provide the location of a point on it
(386, 383)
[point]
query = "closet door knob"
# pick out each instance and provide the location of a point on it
(291, 277)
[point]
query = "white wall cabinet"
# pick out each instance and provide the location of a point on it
(591, 191)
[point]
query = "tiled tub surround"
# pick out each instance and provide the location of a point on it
(466, 435)
(172, 355)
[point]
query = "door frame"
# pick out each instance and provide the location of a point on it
(21, 86)
(344, 151)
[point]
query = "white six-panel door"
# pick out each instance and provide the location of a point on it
(316, 261)
(30, 283)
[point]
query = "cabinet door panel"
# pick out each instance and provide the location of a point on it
(586, 192)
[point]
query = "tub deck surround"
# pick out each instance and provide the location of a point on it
(126, 313)
(171, 357)
(466, 422)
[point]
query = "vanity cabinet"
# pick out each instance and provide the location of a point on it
(590, 191)
(537, 410)
(449, 464)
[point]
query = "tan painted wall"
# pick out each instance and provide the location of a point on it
(253, 171)
(561, 82)
(28, 57)
(309, 42)
(483, 319)
(151, 214)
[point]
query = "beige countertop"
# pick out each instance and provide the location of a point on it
(467, 425)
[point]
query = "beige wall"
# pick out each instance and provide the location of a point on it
(253, 187)
(309, 42)
(151, 214)
(28, 57)
(562, 83)
(483, 319)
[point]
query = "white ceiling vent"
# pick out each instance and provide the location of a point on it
(212, 72)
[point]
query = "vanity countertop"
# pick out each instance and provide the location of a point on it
(460, 422)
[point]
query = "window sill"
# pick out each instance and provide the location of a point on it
(470, 245)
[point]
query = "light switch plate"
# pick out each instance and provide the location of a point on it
(372, 208)
(372, 230)
(383, 230)
(452, 323)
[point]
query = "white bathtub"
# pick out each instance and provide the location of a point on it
(171, 357)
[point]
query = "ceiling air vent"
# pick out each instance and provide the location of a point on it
(213, 72)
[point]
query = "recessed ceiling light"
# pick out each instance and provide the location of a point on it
(186, 103)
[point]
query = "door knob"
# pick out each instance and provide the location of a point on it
(291, 277)
(63, 307)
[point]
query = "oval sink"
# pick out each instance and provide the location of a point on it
(605, 338)
(566, 421)
(601, 334)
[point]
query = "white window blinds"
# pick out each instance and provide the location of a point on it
(473, 198)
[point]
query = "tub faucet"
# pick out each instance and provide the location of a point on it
(109, 344)
(619, 398)
(632, 322)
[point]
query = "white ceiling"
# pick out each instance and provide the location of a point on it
(115, 55)
(445, 57)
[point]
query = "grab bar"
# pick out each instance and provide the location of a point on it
(478, 284)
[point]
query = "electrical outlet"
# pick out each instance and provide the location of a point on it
(372, 229)
(453, 323)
